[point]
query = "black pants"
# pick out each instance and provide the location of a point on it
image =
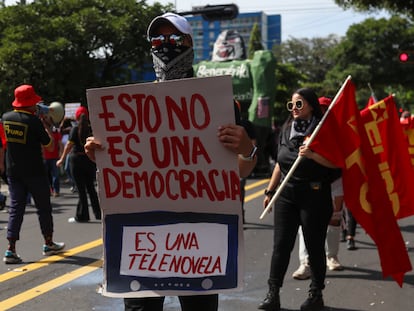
(84, 175)
(350, 222)
(188, 303)
(312, 209)
(19, 188)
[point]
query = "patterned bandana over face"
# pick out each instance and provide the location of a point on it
(172, 61)
(302, 128)
(301, 125)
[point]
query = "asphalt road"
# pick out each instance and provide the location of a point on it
(71, 280)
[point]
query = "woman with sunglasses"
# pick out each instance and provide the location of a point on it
(305, 201)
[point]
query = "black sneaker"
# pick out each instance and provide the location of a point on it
(53, 249)
(350, 245)
(11, 258)
(314, 302)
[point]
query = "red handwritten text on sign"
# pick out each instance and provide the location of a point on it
(184, 250)
(169, 168)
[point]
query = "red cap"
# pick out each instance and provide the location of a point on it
(25, 96)
(80, 111)
(325, 101)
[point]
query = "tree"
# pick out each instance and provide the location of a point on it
(63, 47)
(255, 41)
(402, 7)
(312, 59)
(369, 53)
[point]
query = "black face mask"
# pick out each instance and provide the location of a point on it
(172, 61)
(302, 128)
(301, 125)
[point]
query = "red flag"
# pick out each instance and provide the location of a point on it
(410, 140)
(390, 147)
(407, 123)
(342, 140)
(371, 101)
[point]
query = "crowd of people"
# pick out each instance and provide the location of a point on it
(311, 205)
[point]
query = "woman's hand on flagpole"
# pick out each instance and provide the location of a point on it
(305, 151)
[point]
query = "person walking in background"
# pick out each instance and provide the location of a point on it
(25, 135)
(350, 225)
(305, 201)
(51, 158)
(83, 170)
(65, 128)
(3, 145)
(172, 51)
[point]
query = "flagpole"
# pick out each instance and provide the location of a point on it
(372, 92)
(299, 158)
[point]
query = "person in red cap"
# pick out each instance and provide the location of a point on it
(25, 134)
(83, 170)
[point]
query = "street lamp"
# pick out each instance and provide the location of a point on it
(215, 12)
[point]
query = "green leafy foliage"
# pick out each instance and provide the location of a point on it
(369, 52)
(303, 63)
(402, 7)
(63, 47)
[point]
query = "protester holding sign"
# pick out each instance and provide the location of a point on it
(170, 36)
(306, 201)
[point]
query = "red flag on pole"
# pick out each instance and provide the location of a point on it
(407, 123)
(371, 101)
(391, 149)
(342, 139)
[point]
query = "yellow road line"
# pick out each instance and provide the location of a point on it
(70, 276)
(253, 196)
(48, 260)
(48, 286)
(256, 184)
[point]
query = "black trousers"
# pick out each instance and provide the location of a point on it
(188, 303)
(19, 188)
(308, 205)
(84, 175)
(351, 223)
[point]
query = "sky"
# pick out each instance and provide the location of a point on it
(300, 18)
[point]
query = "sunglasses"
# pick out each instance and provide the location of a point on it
(292, 105)
(174, 39)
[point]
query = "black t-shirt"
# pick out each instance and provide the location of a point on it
(78, 146)
(74, 139)
(25, 136)
(307, 170)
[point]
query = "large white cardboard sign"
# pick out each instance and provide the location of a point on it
(169, 191)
